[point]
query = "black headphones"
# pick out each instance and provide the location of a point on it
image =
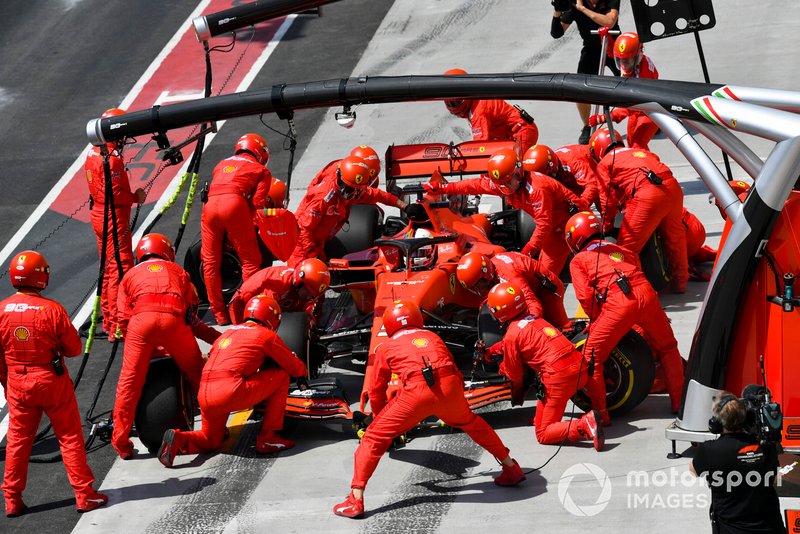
(715, 423)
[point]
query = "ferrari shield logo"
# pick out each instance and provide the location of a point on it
(419, 342)
(22, 333)
(453, 284)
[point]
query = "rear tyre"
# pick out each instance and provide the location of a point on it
(166, 402)
(654, 262)
(629, 374)
(359, 233)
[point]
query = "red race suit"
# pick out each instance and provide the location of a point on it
(405, 354)
(34, 330)
(275, 282)
(576, 160)
(497, 119)
(155, 300)
(640, 128)
(239, 186)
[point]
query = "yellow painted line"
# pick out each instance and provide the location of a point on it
(236, 427)
(580, 314)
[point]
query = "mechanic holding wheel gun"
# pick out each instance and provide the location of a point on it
(494, 119)
(35, 335)
(240, 185)
(652, 196)
(533, 342)
(326, 206)
(158, 305)
(295, 289)
(123, 198)
(432, 385)
(612, 289)
(546, 200)
(543, 291)
(241, 371)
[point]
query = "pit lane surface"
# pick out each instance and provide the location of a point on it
(437, 482)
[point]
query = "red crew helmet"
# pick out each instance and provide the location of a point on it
(506, 302)
(313, 274)
(254, 145)
(502, 167)
(264, 310)
(107, 114)
(277, 193)
(601, 142)
(472, 267)
(370, 157)
(353, 173)
(401, 314)
(29, 269)
(628, 53)
(542, 159)
(155, 245)
(580, 229)
(459, 108)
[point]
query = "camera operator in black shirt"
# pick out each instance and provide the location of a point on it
(740, 469)
(588, 15)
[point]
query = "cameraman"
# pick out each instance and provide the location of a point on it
(588, 15)
(740, 471)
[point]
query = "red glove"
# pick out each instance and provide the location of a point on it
(528, 250)
(433, 187)
(594, 120)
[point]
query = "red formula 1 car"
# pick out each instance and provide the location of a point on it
(416, 260)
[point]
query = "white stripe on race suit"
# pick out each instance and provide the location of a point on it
(86, 309)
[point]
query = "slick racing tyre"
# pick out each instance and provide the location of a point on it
(654, 262)
(231, 269)
(629, 374)
(525, 228)
(166, 402)
(359, 232)
(294, 331)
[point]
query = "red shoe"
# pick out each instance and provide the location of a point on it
(605, 417)
(698, 274)
(592, 427)
(658, 386)
(169, 448)
(271, 442)
(126, 451)
(351, 507)
(511, 476)
(91, 501)
(15, 507)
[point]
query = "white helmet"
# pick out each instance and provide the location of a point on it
(425, 256)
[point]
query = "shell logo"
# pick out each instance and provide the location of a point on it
(419, 342)
(155, 268)
(638, 154)
(229, 168)
(549, 331)
(225, 343)
(22, 333)
(616, 256)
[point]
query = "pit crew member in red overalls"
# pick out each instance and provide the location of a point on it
(652, 196)
(432, 385)
(696, 249)
(367, 153)
(541, 197)
(124, 198)
(531, 341)
(295, 289)
(35, 336)
(235, 378)
(612, 289)
(158, 304)
(632, 63)
(571, 165)
(239, 186)
(494, 119)
(542, 290)
(326, 206)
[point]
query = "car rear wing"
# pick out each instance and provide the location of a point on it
(423, 160)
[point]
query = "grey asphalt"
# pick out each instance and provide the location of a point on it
(438, 482)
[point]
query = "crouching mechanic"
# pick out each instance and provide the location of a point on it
(533, 342)
(614, 292)
(236, 378)
(36, 335)
(326, 206)
(295, 289)
(432, 385)
(158, 305)
(542, 290)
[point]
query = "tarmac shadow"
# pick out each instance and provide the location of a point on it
(170, 487)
